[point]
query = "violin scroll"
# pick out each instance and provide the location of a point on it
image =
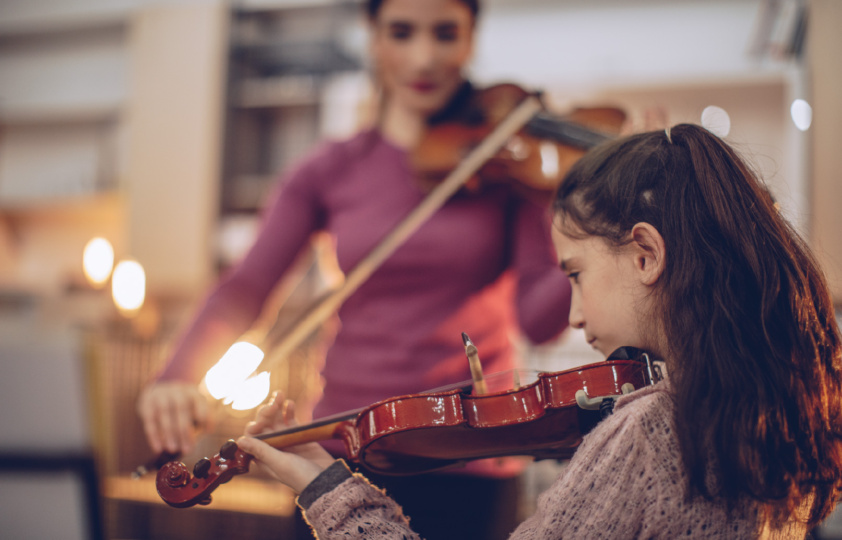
(178, 488)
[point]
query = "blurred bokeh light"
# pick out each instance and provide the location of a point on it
(802, 114)
(98, 261)
(716, 120)
(128, 286)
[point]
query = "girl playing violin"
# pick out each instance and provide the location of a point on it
(397, 328)
(671, 245)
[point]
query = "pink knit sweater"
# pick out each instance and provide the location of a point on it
(625, 481)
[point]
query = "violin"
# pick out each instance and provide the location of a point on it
(536, 157)
(417, 433)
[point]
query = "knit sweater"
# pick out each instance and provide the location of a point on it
(625, 481)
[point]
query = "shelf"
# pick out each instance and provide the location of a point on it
(273, 57)
(282, 57)
(249, 6)
(60, 24)
(289, 91)
(55, 207)
(59, 114)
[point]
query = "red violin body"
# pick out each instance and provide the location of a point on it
(420, 433)
(545, 418)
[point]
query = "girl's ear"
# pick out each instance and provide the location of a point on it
(649, 252)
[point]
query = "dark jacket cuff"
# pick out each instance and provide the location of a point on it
(325, 482)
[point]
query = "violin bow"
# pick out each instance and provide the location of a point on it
(329, 304)
(321, 310)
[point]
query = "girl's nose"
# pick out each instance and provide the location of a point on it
(577, 320)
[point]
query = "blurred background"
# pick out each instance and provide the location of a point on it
(139, 139)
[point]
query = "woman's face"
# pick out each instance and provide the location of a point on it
(419, 48)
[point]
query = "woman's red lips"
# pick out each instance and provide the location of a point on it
(423, 86)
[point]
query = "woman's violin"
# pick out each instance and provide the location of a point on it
(535, 157)
(545, 418)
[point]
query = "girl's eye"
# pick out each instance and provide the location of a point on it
(573, 277)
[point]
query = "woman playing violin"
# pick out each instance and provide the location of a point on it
(400, 330)
(672, 246)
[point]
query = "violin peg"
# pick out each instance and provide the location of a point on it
(229, 449)
(202, 468)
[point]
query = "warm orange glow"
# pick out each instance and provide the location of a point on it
(128, 286)
(230, 375)
(98, 261)
(250, 393)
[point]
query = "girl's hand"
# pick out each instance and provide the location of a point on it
(295, 466)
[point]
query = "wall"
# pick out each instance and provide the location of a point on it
(174, 125)
(826, 189)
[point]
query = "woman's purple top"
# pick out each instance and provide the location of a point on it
(401, 330)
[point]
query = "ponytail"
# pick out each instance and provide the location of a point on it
(755, 348)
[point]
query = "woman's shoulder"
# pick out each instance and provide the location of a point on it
(327, 159)
(331, 155)
(352, 147)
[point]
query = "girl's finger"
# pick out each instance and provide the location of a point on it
(288, 412)
(292, 470)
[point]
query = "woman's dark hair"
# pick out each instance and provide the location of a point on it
(372, 7)
(755, 347)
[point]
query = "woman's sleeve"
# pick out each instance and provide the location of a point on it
(236, 300)
(543, 291)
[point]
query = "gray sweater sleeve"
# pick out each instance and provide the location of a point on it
(325, 482)
(342, 504)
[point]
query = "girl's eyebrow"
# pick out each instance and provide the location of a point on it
(564, 265)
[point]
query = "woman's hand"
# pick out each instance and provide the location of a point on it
(295, 466)
(172, 413)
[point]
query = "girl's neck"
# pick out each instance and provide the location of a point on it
(401, 126)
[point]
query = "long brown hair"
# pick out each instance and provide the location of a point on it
(747, 312)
